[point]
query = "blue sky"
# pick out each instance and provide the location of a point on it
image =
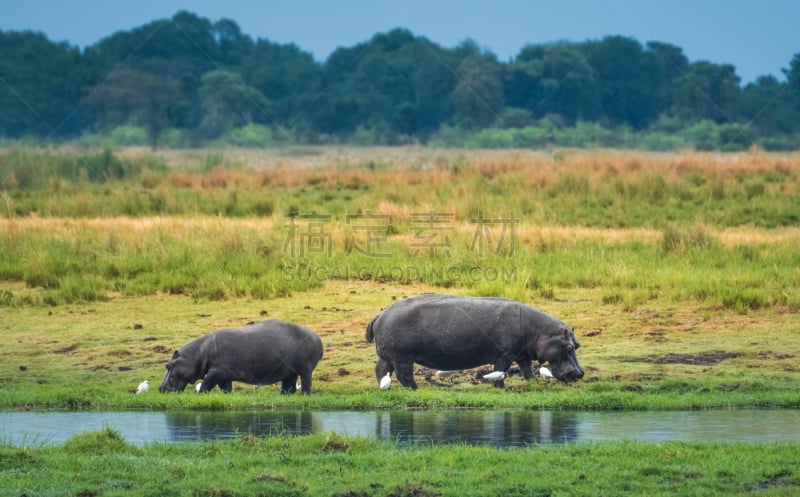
(757, 37)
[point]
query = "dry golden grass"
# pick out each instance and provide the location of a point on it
(526, 234)
(414, 165)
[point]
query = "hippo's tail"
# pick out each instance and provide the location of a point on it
(370, 331)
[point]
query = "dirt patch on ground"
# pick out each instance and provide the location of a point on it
(702, 359)
(407, 490)
(66, 350)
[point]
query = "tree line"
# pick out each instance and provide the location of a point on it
(188, 81)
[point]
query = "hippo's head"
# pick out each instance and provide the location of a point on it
(559, 350)
(181, 371)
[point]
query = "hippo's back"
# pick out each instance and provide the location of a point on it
(447, 331)
(272, 337)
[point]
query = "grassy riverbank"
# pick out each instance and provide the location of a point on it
(679, 272)
(660, 355)
(102, 463)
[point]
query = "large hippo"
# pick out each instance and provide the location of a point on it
(448, 332)
(260, 354)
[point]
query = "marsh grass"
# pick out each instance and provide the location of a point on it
(67, 261)
(325, 464)
(598, 189)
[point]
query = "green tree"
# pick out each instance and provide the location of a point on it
(768, 106)
(478, 96)
(630, 80)
(180, 50)
(371, 85)
(552, 80)
(130, 96)
(232, 46)
(673, 65)
(41, 86)
(707, 91)
(287, 76)
(228, 102)
(793, 80)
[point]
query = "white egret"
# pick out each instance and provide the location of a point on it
(386, 381)
(445, 374)
(143, 387)
(495, 376)
(545, 373)
(197, 387)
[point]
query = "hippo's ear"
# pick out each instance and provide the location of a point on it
(175, 355)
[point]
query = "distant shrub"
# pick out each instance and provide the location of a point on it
(174, 138)
(703, 135)
(128, 136)
(252, 135)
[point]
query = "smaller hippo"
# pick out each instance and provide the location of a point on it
(260, 354)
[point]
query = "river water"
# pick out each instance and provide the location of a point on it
(474, 427)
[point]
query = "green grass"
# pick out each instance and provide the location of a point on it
(213, 260)
(102, 463)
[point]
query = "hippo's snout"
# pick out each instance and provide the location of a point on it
(570, 375)
(574, 375)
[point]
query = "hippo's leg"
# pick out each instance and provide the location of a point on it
(382, 367)
(502, 364)
(226, 386)
(525, 367)
(405, 374)
(212, 379)
(305, 379)
(289, 384)
(208, 384)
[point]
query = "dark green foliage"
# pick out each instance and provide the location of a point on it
(187, 80)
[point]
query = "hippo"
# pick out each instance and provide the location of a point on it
(260, 354)
(448, 332)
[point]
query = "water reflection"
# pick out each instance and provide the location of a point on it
(494, 428)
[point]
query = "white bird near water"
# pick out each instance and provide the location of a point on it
(495, 376)
(445, 374)
(143, 387)
(545, 373)
(386, 381)
(197, 387)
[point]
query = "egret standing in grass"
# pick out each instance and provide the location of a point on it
(197, 387)
(386, 381)
(445, 374)
(143, 387)
(545, 373)
(495, 376)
